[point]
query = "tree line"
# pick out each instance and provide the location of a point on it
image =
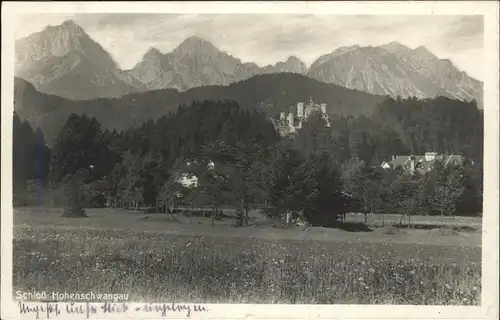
(239, 160)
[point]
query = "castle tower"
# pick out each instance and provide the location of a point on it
(300, 109)
(323, 108)
(307, 112)
(290, 120)
(282, 116)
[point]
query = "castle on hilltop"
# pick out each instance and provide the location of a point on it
(293, 121)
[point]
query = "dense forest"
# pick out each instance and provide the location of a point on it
(240, 160)
(270, 93)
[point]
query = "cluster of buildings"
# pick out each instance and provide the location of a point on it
(294, 120)
(421, 164)
(291, 122)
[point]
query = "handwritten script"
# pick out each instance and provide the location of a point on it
(87, 310)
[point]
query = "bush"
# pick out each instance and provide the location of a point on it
(74, 207)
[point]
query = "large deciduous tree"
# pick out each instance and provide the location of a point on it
(405, 191)
(363, 183)
(448, 188)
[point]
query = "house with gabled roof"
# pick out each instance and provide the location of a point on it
(421, 164)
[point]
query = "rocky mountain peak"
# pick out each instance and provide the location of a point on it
(59, 41)
(294, 59)
(67, 28)
(347, 48)
(66, 61)
(71, 25)
(196, 45)
(296, 65)
(423, 52)
(394, 69)
(152, 53)
(395, 47)
(194, 40)
(337, 52)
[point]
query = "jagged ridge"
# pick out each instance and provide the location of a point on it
(395, 69)
(65, 61)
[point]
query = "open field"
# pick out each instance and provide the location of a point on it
(117, 219)
(174, 258)
(417, 220)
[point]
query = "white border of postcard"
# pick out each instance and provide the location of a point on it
(489, 9)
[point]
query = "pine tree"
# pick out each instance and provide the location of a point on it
(74, 195)
(81, 144)
(329, 203)
(292, 186)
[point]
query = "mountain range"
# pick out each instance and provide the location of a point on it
(63, 60)
(197, 62)
(394, 69)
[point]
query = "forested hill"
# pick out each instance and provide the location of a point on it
(441, 124)
(271, 93)
(136, 164)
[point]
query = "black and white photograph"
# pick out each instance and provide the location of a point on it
(186, 159)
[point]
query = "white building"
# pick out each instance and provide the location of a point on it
(190, 180)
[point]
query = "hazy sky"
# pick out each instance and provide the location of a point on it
(267, 38)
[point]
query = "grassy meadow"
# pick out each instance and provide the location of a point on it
(169, 258)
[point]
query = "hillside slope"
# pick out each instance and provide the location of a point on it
(269, 93)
